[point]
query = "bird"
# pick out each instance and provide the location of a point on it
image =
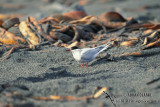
(86, 55)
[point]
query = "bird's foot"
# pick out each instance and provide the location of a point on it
(82, 65)
(86, 65)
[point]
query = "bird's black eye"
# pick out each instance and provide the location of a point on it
(74, 47)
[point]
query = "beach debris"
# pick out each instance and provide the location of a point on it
(128, 43)
(74, 44)
(30, 36)
(155, 43)
(73, 98)
(111, 17)
(100, 92)
(75, 14)
(55, 19)
(77, 29)
(151, 37)
(60, 36)
(74, 33)
(34, 25)
(55, 97)
(11, 49)
(9, 38)
(151, 26)
(86, 55)
(108, 19)
(83, 20)
(10, 22)
(138, 53)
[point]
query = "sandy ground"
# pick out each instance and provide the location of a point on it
(53, 71)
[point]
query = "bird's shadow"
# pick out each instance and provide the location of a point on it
(55, 73)
(104, 59)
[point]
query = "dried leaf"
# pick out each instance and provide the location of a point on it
(28, 33)
(40, 32)
(145, 41)
(155, 43)
(82, 20)
(114, 24)
(55, 19)
(62, 18)
(10, 22)
(61, 44)
(155, 27)
(111, 17)
(56, 43)
(101, 91)
(72, 98)
(128, 43)
(75, 14)
(41, 98)
(61, 36)
(76, 43)
(48, 19)
(148, 31)
(131, 54)
(55, 27)
(9, 38)
(153, 35)
(53, 97)
(146, 25)
(62, 29)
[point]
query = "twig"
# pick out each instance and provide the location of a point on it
(72, 98)
(7, 55)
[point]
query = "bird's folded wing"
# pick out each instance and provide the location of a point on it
(89, 54)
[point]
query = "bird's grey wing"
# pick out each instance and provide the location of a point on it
(87, 56)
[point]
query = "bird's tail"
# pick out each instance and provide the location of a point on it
(105, 46)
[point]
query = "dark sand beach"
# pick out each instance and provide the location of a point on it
(131, 81)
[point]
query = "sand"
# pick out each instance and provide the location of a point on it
(53, 71)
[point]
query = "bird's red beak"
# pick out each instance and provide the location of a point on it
(68, 50)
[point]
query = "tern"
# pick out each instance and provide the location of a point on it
(86, 55)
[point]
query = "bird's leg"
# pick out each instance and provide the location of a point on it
(82, 64)
(86, 64)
